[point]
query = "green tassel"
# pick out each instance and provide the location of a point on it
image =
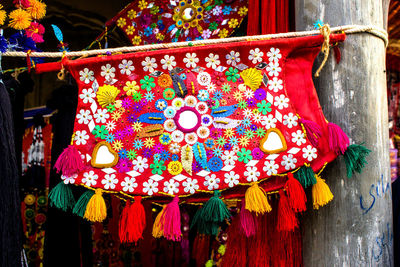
(204, 227)
(306, 176)
(215, 210)
(61, 197)
(80, 206)
(354, 157)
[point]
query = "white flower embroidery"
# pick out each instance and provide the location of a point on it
(298, 138)
(109, 181)
(206, 34)
(251, 174)
(90, 178)
(101, 115)
(309, 153)
(129, 184)
(248, 93)
(177, 136)
(289, 162)
(231, 179)
(256, 55)
(140, 164)
(84, 116)
(270, 167)
(257, 117)
(171, 187)
(126, 67)
(212, 61)
(212, 182)
(268, 121)
(149, 64)
(110, 126)
(191, 60)
(175, 148)
(87, 96)
(81, 137)
(211, 87)
(150, 187)
(274, 54)
(232, 58)
(273, 69)
(190, 185)
(275, 84)
(70, 179)
(229, 157)
(281, 102)
(217, 10)
(107, 72)
(168, 62)
(290, 120)
(247, 113)
(86, 75)
(203, 78)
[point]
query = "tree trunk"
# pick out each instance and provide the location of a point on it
(355, 229)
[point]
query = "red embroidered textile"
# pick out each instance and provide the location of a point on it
(196, 119)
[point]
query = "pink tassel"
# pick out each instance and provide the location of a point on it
(287, 220)
(171, 219)
(247, 221)
(69, 162)
(296, 195)
(313, 130)
(338, 140)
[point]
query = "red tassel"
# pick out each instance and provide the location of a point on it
(287, 220)
(201, 247)
(236, 246)
(295, 193)
(69, 162)
(132, 222)
(248, 220)
(338, 54)
(171, 219)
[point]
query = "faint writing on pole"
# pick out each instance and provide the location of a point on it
(383, 242)
(376, 191)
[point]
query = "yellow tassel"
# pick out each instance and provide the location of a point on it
(96, 210)
(158, 226)
(321, 193)
(256, 200)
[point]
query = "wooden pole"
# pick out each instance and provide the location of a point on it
(355, 229)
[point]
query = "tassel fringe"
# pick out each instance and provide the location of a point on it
(69, 162)
(61, 197)
(81, 204)
(247, 220)
(354, 158)
(295, 194)
(306, 176)
(215, 210)
(158, 227)
(313, 130)
(287, 220)
(256, 200)
(338, 140)
(321, 193)
(171, 220)
(96, 210)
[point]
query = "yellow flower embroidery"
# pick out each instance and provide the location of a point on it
(121, 22)
(149, 142)
(116, 115)
(233, 23)
(130, 30)
(243, 11)
(229, 133)
(223, 33)
(160, 36)
(175, 167)
(118, 145)
(238, 96)
(142, 4)
(131, 87)
(244, 141)
(136, 40)
(131, 14)
(137, 126)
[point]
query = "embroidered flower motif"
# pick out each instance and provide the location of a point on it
(190, 101)
(129, 184)
(290, 120)
(124, 165)
(211, 181)
(256, 55)
(281, 102)
(90, 178)
(244, 155)
(206, 34)
(191, 60)
(101, 115)
(168, 62)
(223, 33)
(268, 121)
(149, 64)
(131, 87)
(84, 116)
(177, 136)
(109, 181)
(203, 95)
(107, 72)
(81, 137)
(171, 187)
(264, 107)
(229, 157)
(157, 167)
(257, 117)
(165, 81)
(273, 68)
(232, 23)
(232, 74)
(117, 145)
(174, 148)
(298, 137)
(289, 162)
(274, 54)
(231, 179)
(275, 84)
(212, 61)
(147, 83)
(121, 22)
(150, 187)
(69, 179)
(190, 185)
(140, 164)
(252, 174)
(100, 131)
(270, 167)
(217, 10)
(175, 167)
(243, 11)
(203, 78)
(87, 96)
(309, 153)
(191, 138)
(126, 67)
(248, 93)
(86, 75)
(232, 58)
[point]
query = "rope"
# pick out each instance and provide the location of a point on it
(348, 29)
(326, 32)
